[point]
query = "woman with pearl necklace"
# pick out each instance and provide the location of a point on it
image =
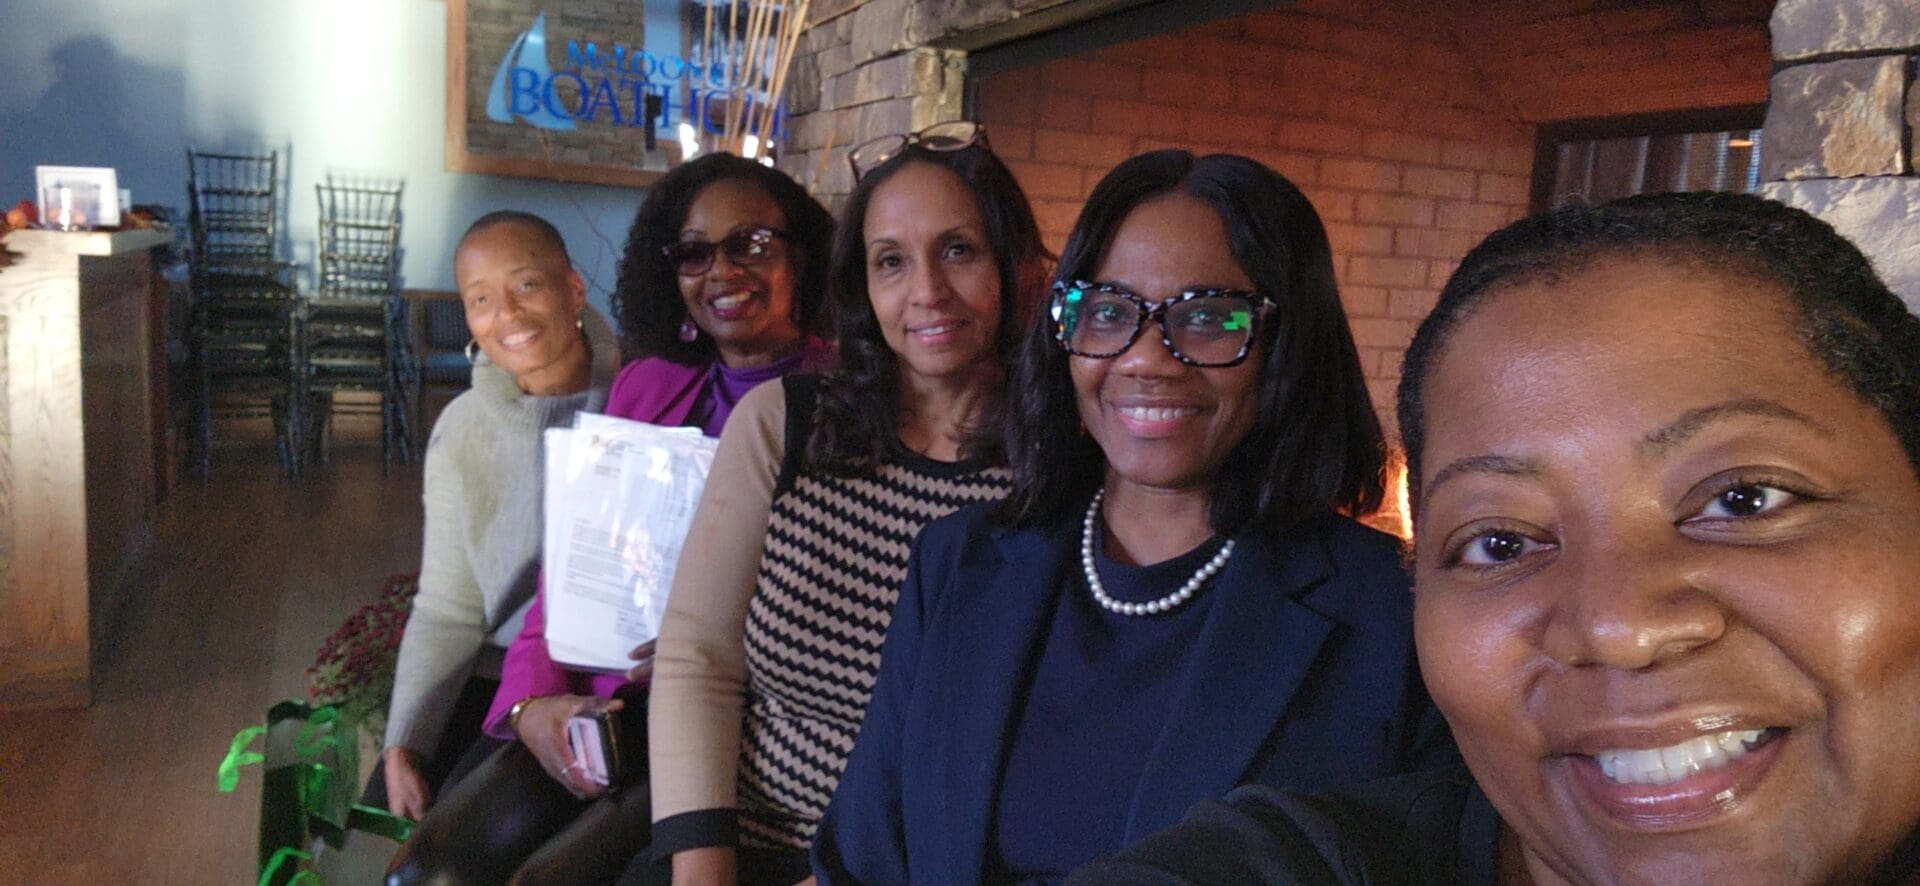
(1175, 599)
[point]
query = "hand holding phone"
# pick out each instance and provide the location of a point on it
(593, 736)
(542, 727)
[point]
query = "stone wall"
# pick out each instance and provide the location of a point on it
(868, 67)
(1840, 138)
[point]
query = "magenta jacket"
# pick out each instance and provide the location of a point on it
(655, 391)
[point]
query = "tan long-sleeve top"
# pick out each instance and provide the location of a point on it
(771, 640)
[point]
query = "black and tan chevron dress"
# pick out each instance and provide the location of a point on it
(836, 554)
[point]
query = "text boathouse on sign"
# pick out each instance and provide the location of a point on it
(616, 87)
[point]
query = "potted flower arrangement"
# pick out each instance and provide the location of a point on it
(353, 669)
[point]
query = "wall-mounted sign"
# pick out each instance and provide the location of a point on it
(583, 91)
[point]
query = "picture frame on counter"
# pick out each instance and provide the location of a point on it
(77, 198)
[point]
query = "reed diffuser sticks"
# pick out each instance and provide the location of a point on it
(755, 51)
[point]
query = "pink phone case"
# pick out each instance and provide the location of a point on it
(585, 734)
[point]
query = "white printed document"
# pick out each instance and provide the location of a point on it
(620, 498)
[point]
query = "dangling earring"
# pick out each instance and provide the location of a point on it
(689, 333)
(472, 343)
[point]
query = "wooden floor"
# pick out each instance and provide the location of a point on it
(252, 572)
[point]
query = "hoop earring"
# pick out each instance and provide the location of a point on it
(689, 333)
(472, 344)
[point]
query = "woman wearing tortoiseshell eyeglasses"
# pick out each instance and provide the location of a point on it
(1171, 602)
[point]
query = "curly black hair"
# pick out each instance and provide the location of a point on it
(1316, 445)
(858, 406)
(1845, 315)
(647, 305)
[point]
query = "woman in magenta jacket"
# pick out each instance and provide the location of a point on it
(722, 288)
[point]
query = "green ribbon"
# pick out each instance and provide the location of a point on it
(310, 742)
(286, 854)
(379, 822)
(312, 794)
(238, 756)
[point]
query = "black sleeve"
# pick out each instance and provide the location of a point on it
(1424, 827)
(802, 393)
(1255, 835)
(693, 830)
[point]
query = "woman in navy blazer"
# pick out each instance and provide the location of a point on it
(1171, 602)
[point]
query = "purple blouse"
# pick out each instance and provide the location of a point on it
(659, 392)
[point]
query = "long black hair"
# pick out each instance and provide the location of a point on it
(1846, 317)
(859, 402)
(646, 300)
(1316, 443)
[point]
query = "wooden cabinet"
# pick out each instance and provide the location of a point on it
(77, 478)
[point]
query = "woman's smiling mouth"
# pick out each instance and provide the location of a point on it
(1154, 419)
(1677, 785)
(939, 332)
(518, 338)
(1678, 761)
(733, 305)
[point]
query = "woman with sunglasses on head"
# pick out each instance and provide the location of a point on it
(1171, 602)
(784, 588)
(1665, 465)
(721, 285)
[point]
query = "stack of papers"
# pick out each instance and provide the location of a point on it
(620, 498)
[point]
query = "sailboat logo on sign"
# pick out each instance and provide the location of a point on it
(526, 59)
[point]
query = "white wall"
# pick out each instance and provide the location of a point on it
(345, 86)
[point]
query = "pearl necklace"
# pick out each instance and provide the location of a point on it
(1150, 607)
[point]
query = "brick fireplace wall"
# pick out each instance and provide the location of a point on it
(1410, 128)
(1409, 124)
(1568, 59)
(1407, 155)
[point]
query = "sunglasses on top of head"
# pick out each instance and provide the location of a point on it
(953, 135)
(1207, 328)
(745, 247)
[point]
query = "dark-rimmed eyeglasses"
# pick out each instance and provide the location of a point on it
(950, 136)
(1209, 328)
(744, 247)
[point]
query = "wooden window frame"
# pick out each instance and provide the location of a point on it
(1549, 136)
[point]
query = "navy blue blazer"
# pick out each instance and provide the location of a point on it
(1307, 681)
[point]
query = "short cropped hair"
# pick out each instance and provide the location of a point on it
(1845, 315)
(539, 226)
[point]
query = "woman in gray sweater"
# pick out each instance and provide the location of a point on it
(544, 356)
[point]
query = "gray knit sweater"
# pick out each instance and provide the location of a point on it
(481, 552)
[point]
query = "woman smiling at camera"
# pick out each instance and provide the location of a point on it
(722, 280)
(1169, 604)
(540, 355)
(1667, 485)
(788, 577)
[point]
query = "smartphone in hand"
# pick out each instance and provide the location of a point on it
(593, 736)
